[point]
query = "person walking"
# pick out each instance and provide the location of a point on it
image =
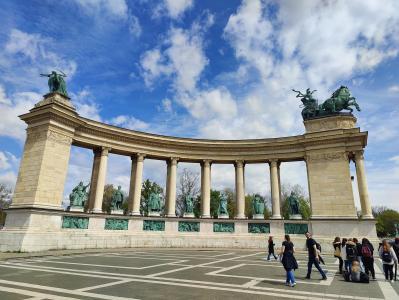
(359, 253)
(367, 256)
(395, 247)
(288, 260)
(343, 254)
(388, 257)
(313, 257)
(271, 248)
(337, 252)
(351, 254)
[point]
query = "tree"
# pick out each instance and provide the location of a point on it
(304, 204)
(147, 189)
(386, 220)
(5, 200)
(231, 202)
(214, 205)
(188, 186)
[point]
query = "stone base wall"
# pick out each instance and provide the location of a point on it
(43, 230)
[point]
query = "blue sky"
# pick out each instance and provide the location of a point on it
(213, 69)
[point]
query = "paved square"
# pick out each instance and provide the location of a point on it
(176, 274)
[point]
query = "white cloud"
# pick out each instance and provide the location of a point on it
(114, 8)
(167, 105)
(183, 59)
(134, 26)
(173, 8)
(129, 122)
(27, 55)
(8, 168)
(394, 88)
(86, 105)
(3, 96)
(20, 103)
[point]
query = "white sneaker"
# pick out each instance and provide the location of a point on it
(293, 284)
(392, 281)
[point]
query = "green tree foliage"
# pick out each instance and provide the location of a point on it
(214, 205)
(5, 200)
(304, 204)
(108, 191)
(231, 202)
(147, 189)
(386, 220)
(188, 185)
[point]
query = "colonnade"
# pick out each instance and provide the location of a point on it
(99, 175)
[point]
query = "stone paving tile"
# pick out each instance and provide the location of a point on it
(67, 281)
(11, 296)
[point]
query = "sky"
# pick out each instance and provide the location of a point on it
(204, 69)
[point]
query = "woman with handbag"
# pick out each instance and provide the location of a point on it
(337, 252)
(288, 260)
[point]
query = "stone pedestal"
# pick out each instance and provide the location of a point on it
(223, 216)
(117, 212)
(188, 215)
(296, 217)
(76, 208)
(154, 214)
(258, 216)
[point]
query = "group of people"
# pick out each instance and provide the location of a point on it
(356, 260)
(289, 261)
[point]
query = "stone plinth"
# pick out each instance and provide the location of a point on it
(154, 214)
(188, 215)
(258, 216)
(223, 216)
(117, 212)
(340, 121)
(295, 217)
(76, 208)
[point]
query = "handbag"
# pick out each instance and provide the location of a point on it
(337, 252)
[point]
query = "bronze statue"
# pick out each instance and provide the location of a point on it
(258, 205)
(223, 204)
(293, 203)
(56, 82)
(117, 199)
(189, 202)
(79, 196)
(154, 203)
(340, 100)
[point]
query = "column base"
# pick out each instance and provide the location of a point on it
(134, 213)
(258, 216)
(276, 217)
(243, 217)
(368, 217)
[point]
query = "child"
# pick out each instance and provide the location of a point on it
(271, 248)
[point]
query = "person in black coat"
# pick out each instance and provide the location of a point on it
(288, 260)
(271, 248)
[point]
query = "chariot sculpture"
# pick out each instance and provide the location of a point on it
(340, 100)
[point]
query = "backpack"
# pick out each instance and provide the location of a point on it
(350, 252)
(386, 256)
(366, 252)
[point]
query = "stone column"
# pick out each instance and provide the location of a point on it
(275, 189)
(102, 172)
(240, 192)
(94, 177)
(362, 186)
(206, 189)
(135, 184)
(171, 188)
